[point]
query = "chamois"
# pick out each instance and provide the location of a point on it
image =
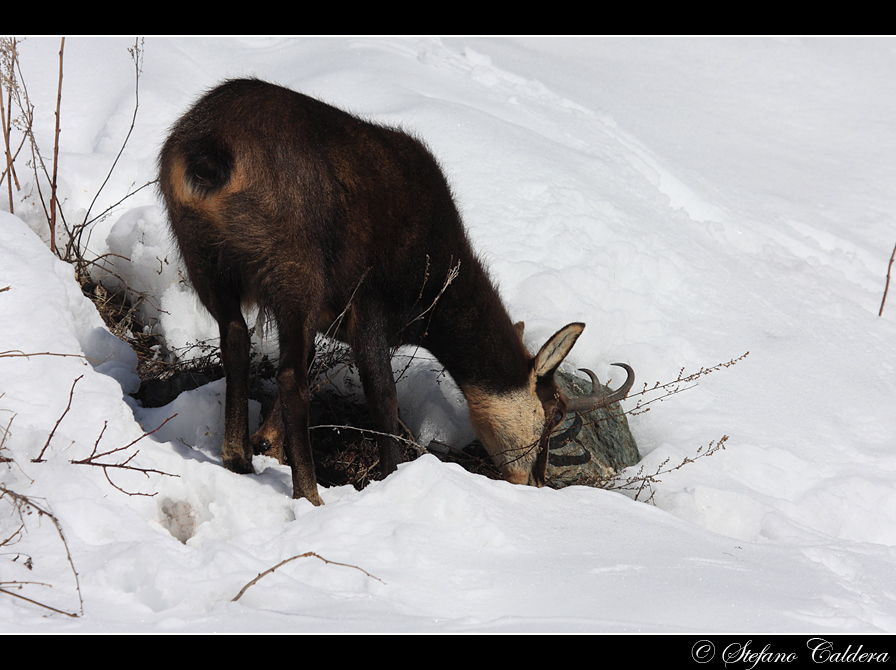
(332, 224)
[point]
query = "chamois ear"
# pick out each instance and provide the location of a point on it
(555, 349)
(520, 327)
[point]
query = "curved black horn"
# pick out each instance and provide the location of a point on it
(595, 399)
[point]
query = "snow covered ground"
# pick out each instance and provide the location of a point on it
(690, 199)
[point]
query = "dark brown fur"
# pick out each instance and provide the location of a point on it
(282, 200)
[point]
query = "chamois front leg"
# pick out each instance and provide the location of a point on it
(375, 368)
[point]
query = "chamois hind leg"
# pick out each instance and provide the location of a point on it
(217, 291)
(296, 340)
(236, 451)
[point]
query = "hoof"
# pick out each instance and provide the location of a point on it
(310, 496)
(240, 466)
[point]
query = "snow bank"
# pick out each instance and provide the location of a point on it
(690, 200)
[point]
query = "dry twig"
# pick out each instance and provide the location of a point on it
(682, 383)
(126, 464)
(887, 285)
(305, 555)
(56, 155)
(74, 252)
(4, 459)
(71, 393)
(8, 53)
(24, 504)
(640, 481)
(16, 353)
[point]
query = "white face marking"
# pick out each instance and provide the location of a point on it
(510, 426)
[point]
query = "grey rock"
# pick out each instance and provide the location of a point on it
(589, 449)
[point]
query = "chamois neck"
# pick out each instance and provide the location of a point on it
(473, 336)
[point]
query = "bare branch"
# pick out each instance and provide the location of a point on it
(17, 353)
(640, 481)
(412, 443)
(8, 51)
(20, 503)
(126, 464)
(4, 459)
(682, 383)
(71, 393)
(137, 55)
(887, 285)
(56, 156)
(284, 562)
(35, 602)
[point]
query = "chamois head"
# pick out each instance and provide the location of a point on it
(515, 426)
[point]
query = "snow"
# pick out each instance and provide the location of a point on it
(690, 199)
